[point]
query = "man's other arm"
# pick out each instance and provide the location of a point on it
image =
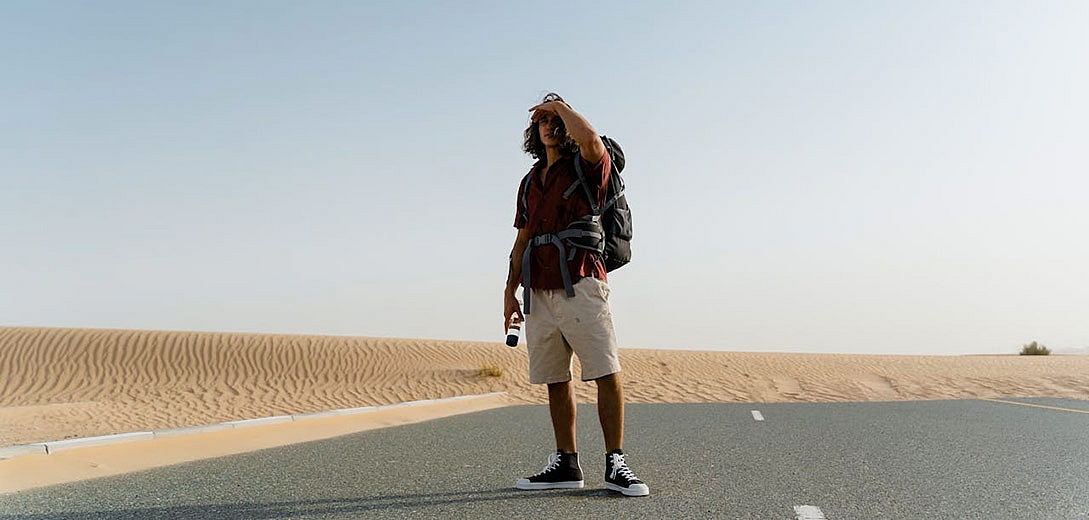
(514, 277)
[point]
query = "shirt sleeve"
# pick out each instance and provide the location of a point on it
(520, 210)
(597, 175)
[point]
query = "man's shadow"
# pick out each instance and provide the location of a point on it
(289, 509)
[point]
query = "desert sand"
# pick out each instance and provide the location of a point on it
(38, 470)
(57, 383)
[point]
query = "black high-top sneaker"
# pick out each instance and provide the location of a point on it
(562, 472)
(618, 476)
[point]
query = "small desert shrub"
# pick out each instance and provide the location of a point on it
(491, 370)
(1032, 349)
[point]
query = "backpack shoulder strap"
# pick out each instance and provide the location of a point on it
(525, 195)
(571, 189)
(585, 185)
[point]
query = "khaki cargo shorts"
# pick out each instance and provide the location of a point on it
(558, 326)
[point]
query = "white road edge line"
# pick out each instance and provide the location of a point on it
(46, 448)
(808, 513)
(757, 415)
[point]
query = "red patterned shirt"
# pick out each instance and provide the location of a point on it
(546, 211)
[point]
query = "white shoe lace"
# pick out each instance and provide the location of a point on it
(621, 468)
(553, 463)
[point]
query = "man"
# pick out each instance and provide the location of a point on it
(567, 305)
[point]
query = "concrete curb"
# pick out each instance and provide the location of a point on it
(188, 430)
(262, 421)
(44, 448)
(55, 446)
(25, 449)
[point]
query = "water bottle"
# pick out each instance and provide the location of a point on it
(513, 332)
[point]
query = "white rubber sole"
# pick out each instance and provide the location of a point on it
(526, 484)
(636, 490)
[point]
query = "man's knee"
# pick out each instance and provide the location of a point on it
(609, 380)
(559, 388)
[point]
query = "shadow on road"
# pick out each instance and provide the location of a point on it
(310, 507)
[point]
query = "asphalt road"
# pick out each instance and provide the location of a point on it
(925, 459)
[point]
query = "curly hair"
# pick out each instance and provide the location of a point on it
(533, 144)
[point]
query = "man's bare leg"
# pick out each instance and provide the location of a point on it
(610, 411)
(563, 470)
(561, 403)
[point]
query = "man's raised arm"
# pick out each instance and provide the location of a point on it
(578, 128)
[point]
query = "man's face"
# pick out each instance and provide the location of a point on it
(551, 129)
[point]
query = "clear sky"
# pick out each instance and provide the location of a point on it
(880, 177)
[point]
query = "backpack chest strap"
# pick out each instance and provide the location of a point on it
(554, 239)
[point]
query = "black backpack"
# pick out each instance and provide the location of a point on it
(615, 215)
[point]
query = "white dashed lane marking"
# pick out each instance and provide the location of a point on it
(757, 416)
(808, 513)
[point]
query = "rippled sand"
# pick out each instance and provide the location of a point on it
(64, 383)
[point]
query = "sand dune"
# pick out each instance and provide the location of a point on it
(64, 383)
